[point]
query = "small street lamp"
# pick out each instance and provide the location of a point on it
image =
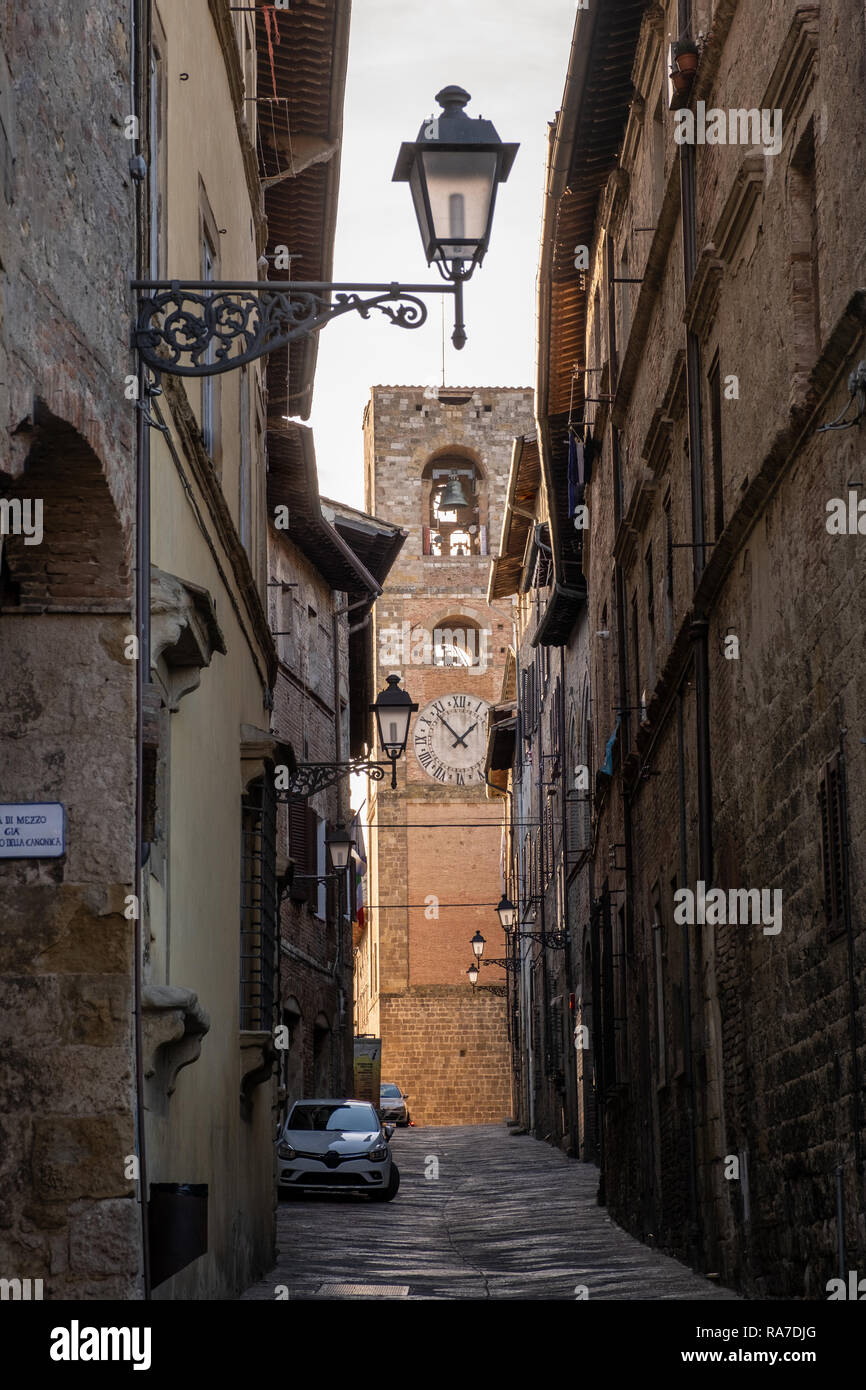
(478, 944)
(507, 912)
(393, 710)
(340, 845)
(472, 972)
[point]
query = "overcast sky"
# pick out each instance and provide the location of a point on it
(512, 57)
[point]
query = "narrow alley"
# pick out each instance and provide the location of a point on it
(506, 1217)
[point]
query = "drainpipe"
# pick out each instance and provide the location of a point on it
(140, 27)
(339, 964)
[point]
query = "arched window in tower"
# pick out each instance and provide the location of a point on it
(459, 642)
(455, 506)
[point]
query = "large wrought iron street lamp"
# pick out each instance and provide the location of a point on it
(205, 327)
(453, 171)
(393, 710)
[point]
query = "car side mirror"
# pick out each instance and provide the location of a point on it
(405, 1095)
(389, 1131)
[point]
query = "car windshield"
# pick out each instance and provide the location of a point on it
(336, 1116)
(389, 1090)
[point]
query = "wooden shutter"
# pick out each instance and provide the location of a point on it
(831, 799)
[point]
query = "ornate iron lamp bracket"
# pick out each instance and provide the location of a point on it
(505, 962)
(206, 327)
(310, 778)
(555, 940)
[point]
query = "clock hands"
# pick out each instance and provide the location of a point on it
(467, 732)
(454, 732)
(460, 738)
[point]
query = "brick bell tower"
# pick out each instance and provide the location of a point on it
(436, 463)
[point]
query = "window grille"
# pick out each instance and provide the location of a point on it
(834, 831)
(258, 908)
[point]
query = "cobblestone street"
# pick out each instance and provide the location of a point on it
(507, 1217)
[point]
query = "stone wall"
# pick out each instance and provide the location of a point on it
(68, 1213)
(747, 1187)
(444, 1048)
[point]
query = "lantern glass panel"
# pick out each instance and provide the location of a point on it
(460, 189)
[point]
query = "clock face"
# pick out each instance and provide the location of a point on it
(451, 740)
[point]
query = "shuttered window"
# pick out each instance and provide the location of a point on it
(834, 831)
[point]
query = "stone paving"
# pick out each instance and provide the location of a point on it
(507, 1217)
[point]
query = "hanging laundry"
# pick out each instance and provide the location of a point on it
(576, 473)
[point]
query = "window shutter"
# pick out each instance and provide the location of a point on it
(299, 844)
(831, 798)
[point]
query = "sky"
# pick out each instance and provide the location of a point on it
(511, 56)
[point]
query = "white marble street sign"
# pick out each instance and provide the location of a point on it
(32, 830)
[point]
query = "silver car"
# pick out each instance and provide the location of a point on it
(392, 1103)
(336, 1146)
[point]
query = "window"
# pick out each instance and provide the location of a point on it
(156, 160)
(635, 637)
(208, 383)
(659, 957)
(321, 868)
(669, 570)
(258, 897)
(455, 522)
(803, 211)
(715, 391)
(245, 479)
(834, 842)
(658, 157)
(624, 298)
(458, 643)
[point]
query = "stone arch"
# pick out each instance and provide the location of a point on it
(459, 640)
(80, 560)
(462, 530)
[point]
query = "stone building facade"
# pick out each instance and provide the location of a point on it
(68, 1213)
(710, 294)
(140, 969)
(435, 851)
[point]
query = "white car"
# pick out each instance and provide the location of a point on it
(336, 1146)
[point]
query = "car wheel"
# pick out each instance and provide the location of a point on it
(388, 1193)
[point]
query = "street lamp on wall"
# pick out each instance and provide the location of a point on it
(453, 170)
(478, 943)
(507, 912)
(393, 710)
(339, 844)
(203, 328)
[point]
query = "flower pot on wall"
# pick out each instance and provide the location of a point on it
(687, 62)
(682, 81)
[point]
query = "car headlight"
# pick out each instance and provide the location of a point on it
(286, 1151)
(379, 1154)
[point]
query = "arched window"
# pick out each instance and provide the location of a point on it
(459, 642)
(455, 508)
